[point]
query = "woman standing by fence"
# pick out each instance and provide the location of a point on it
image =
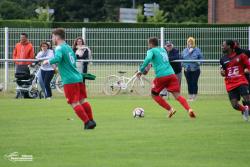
(47, 71)
(192, 69)
(82, 53)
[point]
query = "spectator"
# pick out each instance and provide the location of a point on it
(82, 53)
(192, 69)
(239, 50)
(23, 50)
(39, 75)
(50, 45)
(173, 54)
(47, 71)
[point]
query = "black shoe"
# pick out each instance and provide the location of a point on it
(90, 125)
(93, 122)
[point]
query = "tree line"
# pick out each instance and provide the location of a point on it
(176, 11)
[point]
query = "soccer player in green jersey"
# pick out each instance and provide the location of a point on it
(74, 88)
(165, 77)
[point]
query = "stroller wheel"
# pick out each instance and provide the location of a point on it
(41, 94)
(34, 94)
(19, 95)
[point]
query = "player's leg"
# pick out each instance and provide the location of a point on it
(248, 79)
(155, 93)
(234, 96)
(244, 92)
(72, 94)
(236, 105)
(174, 88)
(184, 103)
(85, 104)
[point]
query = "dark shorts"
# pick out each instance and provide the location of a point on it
(236, 93)
(75, 92)
(170, 82)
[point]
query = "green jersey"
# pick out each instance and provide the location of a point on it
(66, 60)
(159, 59)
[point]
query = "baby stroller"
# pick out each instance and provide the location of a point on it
(26, 80)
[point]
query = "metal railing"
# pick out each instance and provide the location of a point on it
(128, 45)
(210, 81)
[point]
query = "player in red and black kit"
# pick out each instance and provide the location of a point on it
(239, 50)
(233, 68)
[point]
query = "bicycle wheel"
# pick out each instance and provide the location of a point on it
(142, 86)
(112, 85)
(59, 85)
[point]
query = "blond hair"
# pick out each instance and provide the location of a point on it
(192, 40)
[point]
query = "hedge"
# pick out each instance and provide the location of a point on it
(41, 24)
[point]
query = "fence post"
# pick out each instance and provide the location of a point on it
(84, 34)
(162, 37)
(6, 53)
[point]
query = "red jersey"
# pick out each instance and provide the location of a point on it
(234, 66)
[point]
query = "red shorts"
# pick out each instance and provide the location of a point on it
(170, 82)
(75, 92)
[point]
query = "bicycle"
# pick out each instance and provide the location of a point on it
(139, 85)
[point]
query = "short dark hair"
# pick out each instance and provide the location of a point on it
(59, 32)
(153, 41)
(230, 43)
(24, 34)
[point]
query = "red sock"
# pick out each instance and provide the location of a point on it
(162, 102)
(183, 102)
(79, 110)
(88, 110)
(241, 108)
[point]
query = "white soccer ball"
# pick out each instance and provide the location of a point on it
(138, 112)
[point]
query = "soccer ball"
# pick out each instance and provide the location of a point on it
(138, 113)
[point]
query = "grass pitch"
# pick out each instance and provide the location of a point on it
(218, 137)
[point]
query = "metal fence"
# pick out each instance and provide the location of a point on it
(129, 44)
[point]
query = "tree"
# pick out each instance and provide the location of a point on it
(159, 17)
(140, 16)
(72, 10)
(44, 14)
(111, 8)
(190, 11)
(103, 10)
(11, 10)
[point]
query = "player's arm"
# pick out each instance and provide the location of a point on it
(146, 61)
(222, 71)
(246, 63)
(56, 59)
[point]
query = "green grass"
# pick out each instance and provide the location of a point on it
(217, 138)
